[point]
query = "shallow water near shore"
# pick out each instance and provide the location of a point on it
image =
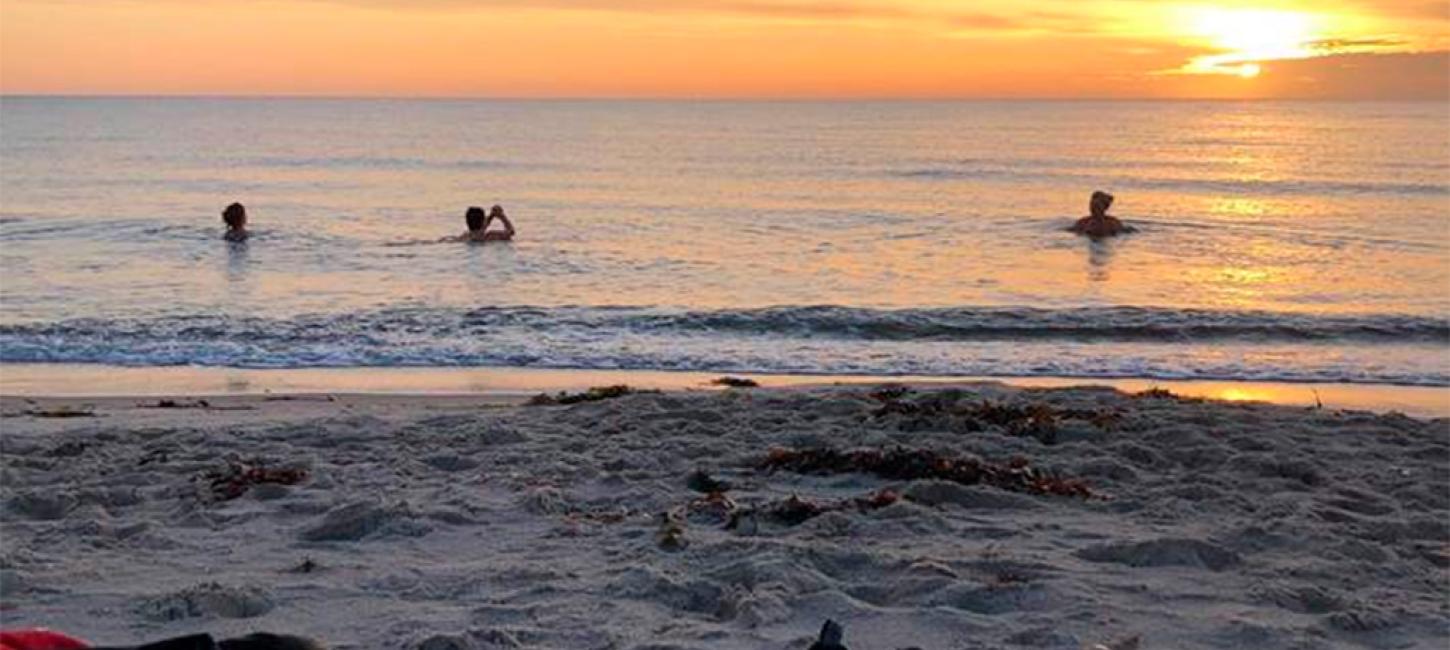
(1279, 241)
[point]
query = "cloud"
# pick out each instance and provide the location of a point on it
(1404, 75)
(798, 9)
(1346, 45)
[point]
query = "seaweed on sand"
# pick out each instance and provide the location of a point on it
(701, 481)
(947, 410)
(794, 510)
(735, 382)
(237, 478)
(1163, 393)
(889, 392)
(61, 412)
(911, 464)
(595, 394)
(177, 404)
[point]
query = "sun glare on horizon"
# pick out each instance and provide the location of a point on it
(1246, 37)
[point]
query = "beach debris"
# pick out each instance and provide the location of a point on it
(63, 411)
(889, 392)
(194, 404)
(307, 565)
(595, 394)
(268, 641)
(299, 398)
(671, 534)
(911, 464)
(735, 382)
(831, 636)
(948, 410)
(1163, 393)
(237, 478)
(793, 510)
(701, 481)
(177, 404)
(713, 508)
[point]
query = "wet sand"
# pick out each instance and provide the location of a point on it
(100, 381)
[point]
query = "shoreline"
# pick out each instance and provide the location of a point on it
(75, 381)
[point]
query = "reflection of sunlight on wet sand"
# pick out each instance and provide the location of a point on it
(1241, 395)
(94, 380)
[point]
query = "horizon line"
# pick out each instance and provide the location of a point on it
(700, 98)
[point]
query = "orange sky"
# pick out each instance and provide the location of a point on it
(728, 48)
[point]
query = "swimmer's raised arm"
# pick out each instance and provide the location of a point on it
(508, 226)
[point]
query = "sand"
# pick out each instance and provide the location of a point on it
(467, 522)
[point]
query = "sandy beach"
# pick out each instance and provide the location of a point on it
(739, 518)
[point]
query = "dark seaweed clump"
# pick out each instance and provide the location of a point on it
(902, 464)
(595, 394)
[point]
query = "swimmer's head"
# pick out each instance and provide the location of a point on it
(1100, 203)
(475, 218)
(235, 216)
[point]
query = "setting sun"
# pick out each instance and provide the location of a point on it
(1247, 36)
(1256, 33)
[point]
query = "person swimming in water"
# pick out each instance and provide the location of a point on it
(1099, 223)
(235, 217)
(478, 222)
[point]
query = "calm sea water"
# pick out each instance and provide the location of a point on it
(1297, 241)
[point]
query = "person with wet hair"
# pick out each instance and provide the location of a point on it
(478, 222)
(235, 217)
(1099, 224)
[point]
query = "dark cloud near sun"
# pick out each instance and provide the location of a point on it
(1405, 75)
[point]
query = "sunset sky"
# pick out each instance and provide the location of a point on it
(728, 48)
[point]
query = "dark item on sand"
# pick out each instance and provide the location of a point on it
(178, 404)
(735, 382)
(240, 477)
(595, 394)
(831, 636)
(671, 533)
(946, 411)
(257, 641)
(901, 464)
(701, 481)
(794, 510)
(307, 565)
(61, 412)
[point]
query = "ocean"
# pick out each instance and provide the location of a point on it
(1285, 241)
